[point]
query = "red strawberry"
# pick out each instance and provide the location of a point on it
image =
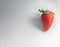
(47, 18)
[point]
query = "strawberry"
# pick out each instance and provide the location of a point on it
(47, 18)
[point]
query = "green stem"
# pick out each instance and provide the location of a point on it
(42, 11)
(45, 11)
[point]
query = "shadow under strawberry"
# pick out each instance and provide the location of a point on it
(36, 22)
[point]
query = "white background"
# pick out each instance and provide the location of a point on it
(20, 27)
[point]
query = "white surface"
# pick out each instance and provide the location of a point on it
(18, 26)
